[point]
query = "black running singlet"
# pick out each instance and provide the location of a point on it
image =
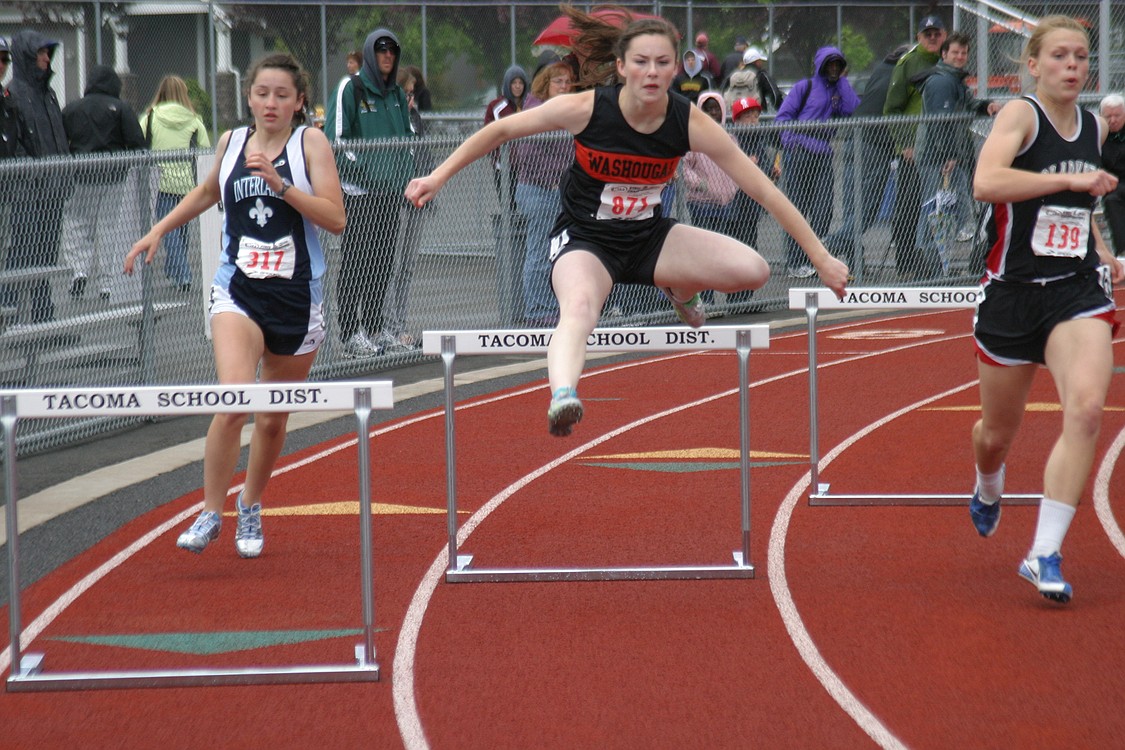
(1049, 237)
(613, 186)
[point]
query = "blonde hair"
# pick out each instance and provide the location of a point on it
(541, 86)
(172, 89)
(1034, 46)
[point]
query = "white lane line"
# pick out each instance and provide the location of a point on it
(56, 608)
(403, 689)
(779, 586)
(1101, 494)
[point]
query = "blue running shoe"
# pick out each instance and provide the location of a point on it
(1045, 575)
(985, 517)
(564, 412)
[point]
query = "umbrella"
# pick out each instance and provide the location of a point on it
(561, 33)
(940, 212)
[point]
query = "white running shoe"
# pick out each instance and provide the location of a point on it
(201, 533)
(248, 538)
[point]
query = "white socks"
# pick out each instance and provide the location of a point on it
(1054, 520)
(990, 486)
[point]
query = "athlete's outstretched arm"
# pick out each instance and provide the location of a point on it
(202, 197)
(570, 112)
(709, 138)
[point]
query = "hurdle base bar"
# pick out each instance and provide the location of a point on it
(32, 678)
(464, 573)
(824, 498)
(741, 339)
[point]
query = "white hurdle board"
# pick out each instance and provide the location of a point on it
(875, 298)
(740, 339)
(27, 673)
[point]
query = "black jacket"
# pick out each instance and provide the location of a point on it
(100, 121)
(30, 93)
(14, 139)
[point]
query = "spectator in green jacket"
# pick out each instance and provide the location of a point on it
(905, 98)
(171, 124)
(368, 107)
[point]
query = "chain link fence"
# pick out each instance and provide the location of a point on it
(473, 258)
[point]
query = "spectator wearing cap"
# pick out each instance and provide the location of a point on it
(711, 62)
(771, 96)
(905, 98)
(37, 208)
(732, 61)
(369, 107)
(743, 82)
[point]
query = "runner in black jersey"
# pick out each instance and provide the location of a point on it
(1047, 291)
(628, 140)
(278, 184)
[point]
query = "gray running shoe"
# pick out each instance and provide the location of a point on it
(201, 533)
(690, 312)
(248, 538)
(564, 412)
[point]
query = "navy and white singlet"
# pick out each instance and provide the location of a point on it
(272, 262)
(1048, 237)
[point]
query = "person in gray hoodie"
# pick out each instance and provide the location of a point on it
(98, 123)
(366, 107)
(36, 211)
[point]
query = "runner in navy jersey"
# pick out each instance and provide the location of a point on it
(1047, 291)
(628, 140)
(278, 183)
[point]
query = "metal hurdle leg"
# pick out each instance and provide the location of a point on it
(27, 673)
(891, 298)
(741, 339)
(448, 355)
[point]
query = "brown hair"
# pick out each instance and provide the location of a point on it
(541, 86)
(288, 63)
(603, 39)
(172, 89)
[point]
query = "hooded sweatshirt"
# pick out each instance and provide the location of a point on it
(694, 79)
(507, 103)
(100, 121)
(174, 126)
(31, 94)
(376, 111)
(817, 99)
(705, 180)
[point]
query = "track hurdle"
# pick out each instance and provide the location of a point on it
(741, 339)
(27, 672)
(872, 298)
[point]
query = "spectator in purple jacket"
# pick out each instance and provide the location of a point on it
(807, 160)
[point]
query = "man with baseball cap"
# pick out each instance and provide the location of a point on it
(771, 95)
(711, 63)
(904, 98)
